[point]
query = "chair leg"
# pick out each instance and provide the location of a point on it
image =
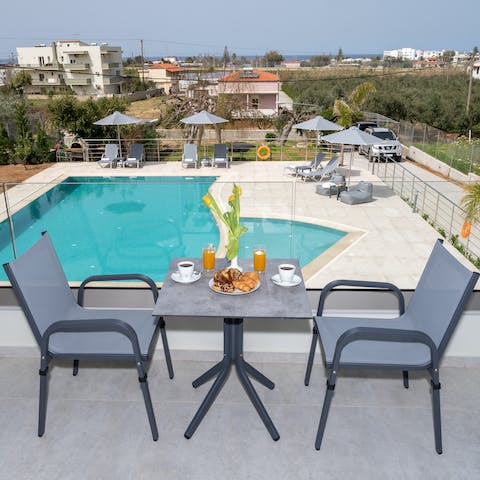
(437, 424)
(405, 378)
(75, 367)
(42, 403)
(311, 355)
(166, 349)
(142, 378)
(325, 409)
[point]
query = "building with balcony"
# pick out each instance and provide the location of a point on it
(252, 92)
(88, 69)
(165, 75)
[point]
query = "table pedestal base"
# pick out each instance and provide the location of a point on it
(232, 355)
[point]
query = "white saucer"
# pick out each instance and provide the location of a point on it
(177, 278)
(295, 281)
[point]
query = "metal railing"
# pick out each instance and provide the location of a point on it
(436, 208)
(170, 149)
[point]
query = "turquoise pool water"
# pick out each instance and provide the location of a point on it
(137, 224)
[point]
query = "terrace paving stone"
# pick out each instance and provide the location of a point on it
(97, 427)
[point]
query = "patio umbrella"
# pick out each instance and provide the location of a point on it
(205, 118)
(117, 118)
(318, 124)
(351, 136)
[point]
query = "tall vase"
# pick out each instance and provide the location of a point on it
(234, 264)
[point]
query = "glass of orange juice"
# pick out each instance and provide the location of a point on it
(209, 257)
(259, 258)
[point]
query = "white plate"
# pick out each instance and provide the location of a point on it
(295, 281)
(177, 278)
(235, 292)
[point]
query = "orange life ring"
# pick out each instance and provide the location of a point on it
(263, 152)
(466, 229)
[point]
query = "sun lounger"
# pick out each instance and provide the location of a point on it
(135, 156)
(320, 173)
(313, 165)
(220, 155)
(110, 156)
(190, 158)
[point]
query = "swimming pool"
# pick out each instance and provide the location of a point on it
(125, 224)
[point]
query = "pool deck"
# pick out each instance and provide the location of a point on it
(386, 241)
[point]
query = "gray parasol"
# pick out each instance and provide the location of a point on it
(352, 136)
(117, 118)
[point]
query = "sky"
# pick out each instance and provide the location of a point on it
(246, 27)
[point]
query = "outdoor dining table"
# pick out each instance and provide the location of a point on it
(197, 299)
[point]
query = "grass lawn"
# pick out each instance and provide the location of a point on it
(457, 155)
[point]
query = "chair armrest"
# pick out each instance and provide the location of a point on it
(360, 283)
(384, 335)
(120, 276)
(90, 325)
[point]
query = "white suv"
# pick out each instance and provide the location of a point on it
(387, 149)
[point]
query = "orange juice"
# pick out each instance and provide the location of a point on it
(259, 259)
(209, 258)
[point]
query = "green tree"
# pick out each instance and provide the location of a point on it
(320, 60)
(78, 117)
(6, 146)
(339, 55)
(24, 144)
(42, 144)
(471, 202)
(225, 57)
(272, 58)
(20, 80)
(348, 113)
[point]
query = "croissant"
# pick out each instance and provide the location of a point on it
(251, 275)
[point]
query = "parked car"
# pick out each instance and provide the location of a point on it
(389, 148)
(365, 124)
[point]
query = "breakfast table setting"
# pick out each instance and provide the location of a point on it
(234, 294)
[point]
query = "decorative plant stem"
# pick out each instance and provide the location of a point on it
(231, 218)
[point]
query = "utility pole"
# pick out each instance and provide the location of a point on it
(143, 64)
(472, 62)
(469, 95)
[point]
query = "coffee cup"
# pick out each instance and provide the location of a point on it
(185, 269)
(286, 271)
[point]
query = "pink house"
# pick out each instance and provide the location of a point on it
(253, 91)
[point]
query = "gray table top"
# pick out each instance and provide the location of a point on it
(197, 299)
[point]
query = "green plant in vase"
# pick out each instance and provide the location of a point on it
(231, 219)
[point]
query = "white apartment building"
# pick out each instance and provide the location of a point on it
(476, 71)
(411, 54)
(89, 69)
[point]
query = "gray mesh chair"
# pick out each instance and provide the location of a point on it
(416, 340)
(65, 329)
(135, 156)
(189, 157)
(220, 155)
(110, 156)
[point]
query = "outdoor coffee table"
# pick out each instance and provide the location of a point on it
(268, 301)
